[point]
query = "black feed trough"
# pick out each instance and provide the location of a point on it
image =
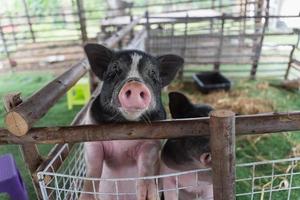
(211, 81)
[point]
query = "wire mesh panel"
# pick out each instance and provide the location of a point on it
(277, 179)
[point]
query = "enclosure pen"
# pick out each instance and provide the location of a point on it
(230, 39)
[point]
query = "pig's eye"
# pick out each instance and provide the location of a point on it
(153, 75)
(114, 72)
(111, 75)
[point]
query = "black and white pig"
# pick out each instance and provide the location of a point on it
(187, 154)
(131, 91)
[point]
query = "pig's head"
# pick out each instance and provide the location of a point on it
(132, 82)
(189, 152)
(181, 107)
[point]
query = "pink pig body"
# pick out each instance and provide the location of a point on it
(120, 160)
(201, 190)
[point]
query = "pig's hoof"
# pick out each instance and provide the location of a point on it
(152, 193)
(147, 190)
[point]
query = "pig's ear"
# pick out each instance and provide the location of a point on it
(168, 67)
(179, 105)
(99, 58)
(205, 159)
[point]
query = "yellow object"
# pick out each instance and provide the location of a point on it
(79, 94)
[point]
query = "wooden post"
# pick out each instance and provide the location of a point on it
(82, 21)
(28, 20)
(222, 141)
(29, 152)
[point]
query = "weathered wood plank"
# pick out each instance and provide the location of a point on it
(245, 124)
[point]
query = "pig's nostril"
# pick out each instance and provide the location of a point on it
(142, 94)
(128, 93)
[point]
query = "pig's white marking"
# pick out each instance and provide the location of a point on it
(134, 71)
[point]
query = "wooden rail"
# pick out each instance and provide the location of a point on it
(114, 39)
(245, 124)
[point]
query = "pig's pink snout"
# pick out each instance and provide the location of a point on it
(134, 96)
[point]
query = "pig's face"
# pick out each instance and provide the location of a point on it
(132, 81)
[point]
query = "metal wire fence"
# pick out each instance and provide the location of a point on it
(273, 179)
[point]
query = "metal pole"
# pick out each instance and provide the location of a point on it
(28, 20)
(219, 50)
(258, 47)
(82, 21)
(13, 30)
(5, 46)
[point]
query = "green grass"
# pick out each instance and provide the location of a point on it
(248, 149)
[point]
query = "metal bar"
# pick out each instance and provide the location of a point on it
(13, 30)
(220, 46)
(5, 45)
(82, 20)
(28, 20)
(259, 46)
(289, 63)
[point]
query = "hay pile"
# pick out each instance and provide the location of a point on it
(236, 100)
(239, 102)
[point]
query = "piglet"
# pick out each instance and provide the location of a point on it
(187, 154)
(131, 91)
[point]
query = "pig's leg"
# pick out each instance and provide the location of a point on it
(169, 184)
(148, 165)
(94, 155)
